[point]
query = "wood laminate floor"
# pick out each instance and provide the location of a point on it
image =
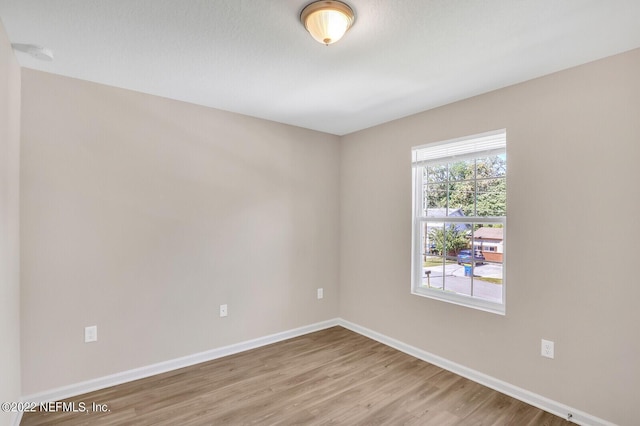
(333, 376)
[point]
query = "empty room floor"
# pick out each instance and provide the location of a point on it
(333, 376)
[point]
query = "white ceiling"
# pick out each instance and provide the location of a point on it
(254, 56)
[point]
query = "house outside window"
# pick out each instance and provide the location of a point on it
(459, 221)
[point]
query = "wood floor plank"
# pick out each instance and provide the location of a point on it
(331, 377)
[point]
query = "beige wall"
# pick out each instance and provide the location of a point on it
(573, 154)
(142, 215)
(9, 225)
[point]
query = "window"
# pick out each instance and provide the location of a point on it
(459, 221)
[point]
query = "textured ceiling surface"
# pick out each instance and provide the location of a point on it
(254, 57)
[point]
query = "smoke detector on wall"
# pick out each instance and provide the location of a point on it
(38, 52)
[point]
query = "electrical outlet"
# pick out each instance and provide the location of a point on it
(91, 334)
(547, 349)
(320, 293)
(223, 310)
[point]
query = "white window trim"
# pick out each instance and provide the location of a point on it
(457, 154)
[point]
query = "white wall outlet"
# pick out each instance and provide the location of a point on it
(546, 349)
(91, 334)
(223, 310)
(320, 293)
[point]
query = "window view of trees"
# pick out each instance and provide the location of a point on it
(459, 214)
(477, 186)
(458, 200)
(451, 239)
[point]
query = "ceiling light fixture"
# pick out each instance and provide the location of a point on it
(327, 21)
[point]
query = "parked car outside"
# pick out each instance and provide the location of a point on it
(464, 256)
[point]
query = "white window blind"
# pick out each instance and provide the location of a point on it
(482, 145)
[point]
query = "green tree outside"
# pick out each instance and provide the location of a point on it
(448, 241)
(478, 187)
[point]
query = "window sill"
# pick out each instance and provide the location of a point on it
(461, 300)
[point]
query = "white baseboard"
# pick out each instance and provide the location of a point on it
(524, 395)
(174, 364)
(546, 404)
(16, 418)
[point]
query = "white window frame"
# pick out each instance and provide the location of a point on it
(465, 148)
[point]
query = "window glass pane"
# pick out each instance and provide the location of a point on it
(455, 237)
(459, 270)
(433, 237)
(436, 199)
(459, 279)
(437, 173)
(433, 261)
(491, 198)
(462, 198)
(488, 244)
(492, 167)
(433, 272)
(485, 283)
(462, 170)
